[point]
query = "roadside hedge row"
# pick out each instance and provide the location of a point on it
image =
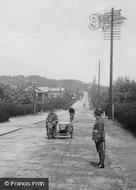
(125, 113)
(8, 110)
(55, 103)
(4, 112)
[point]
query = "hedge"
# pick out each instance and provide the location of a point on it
(125, 113)
(4, 112)
(8, 110)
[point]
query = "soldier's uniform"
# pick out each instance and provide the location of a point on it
(52, 117)
(71, 113)
(98, 136)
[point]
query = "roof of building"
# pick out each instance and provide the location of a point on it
(47, 89)
(56, 89)
(43, 89)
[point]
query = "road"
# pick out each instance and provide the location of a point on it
(69, 163)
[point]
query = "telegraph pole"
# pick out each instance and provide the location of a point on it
(99, 72)
(110, 23)
(111, 69)
(34, 96)
(95, 91)
(94, 82)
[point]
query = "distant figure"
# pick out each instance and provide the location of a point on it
(98, 136)
(53, 119)
(84, 105)
(71, 113)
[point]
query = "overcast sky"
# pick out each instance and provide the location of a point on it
(51, 38)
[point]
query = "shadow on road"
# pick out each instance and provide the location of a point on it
(94, 164)
(58, 138)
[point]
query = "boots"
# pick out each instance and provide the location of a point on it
(99, 160)
(102, 158)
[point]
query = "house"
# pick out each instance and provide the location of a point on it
(55, 92)
(41, 94)
(44, 93)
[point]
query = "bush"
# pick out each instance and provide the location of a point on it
(125, 113)
(19, 109)
(56, 103)
(103, 99)
(4, 112)
(9, 110)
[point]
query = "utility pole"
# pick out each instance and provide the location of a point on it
(94, 82)
(110, 23)
(34, 96)
(99, 72)
(95, 92)
(111, 69)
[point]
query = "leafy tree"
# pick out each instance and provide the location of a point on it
(124, 90)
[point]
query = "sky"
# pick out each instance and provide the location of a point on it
(51, 38)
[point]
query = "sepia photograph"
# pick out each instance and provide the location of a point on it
(67, 95)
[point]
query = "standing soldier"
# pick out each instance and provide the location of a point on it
(71, 113)
(98, 136)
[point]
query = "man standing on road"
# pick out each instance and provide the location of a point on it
(71, 113)
(98, 136)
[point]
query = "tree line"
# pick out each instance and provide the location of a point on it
(124, 98)
(19, 101)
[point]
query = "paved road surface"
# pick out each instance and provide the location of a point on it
(70, 163)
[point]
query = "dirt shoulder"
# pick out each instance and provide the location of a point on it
(121, 152)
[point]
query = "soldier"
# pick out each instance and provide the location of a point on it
(98, 136)
(52, 118)
(71, 113)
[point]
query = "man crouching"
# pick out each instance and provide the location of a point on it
(52, 119)
(98, 136)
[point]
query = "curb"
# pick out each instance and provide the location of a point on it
(10, 131)
(38, 122)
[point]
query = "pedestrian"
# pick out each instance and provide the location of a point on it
(71, 113)
(98, 136)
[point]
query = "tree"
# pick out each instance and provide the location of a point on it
(124, 90)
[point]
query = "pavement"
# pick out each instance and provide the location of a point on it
(17, 123)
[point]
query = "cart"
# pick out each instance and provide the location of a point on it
(65, 129)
